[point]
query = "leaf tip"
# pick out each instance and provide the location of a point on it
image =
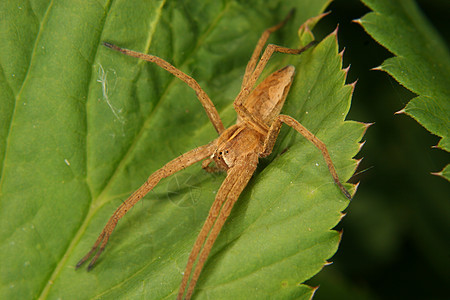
(356, 186)
(313, 289)
(358, 161)
(436, 173)
(346, 69)
(368, 125)
(353, 84)
(357, 21)
(401, 111)
(305, 27)
(442, 173)
(379, 68)
(324, 14)
(327, 263)
(335, 30)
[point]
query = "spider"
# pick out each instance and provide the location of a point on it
(236, 151)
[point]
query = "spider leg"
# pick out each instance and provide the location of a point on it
(259, 46)
(235, 182)
(206, 102)
(239, 106)
(209, 169)
(177, 164)
(288, 120)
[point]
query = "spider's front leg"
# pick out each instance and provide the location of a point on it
(204, 99)
(237, 178)
(206, 166)
(178, 164)
(254, 69)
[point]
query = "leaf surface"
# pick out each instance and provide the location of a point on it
(421, 62)
(84, 126)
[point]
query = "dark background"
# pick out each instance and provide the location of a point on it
(396, 235)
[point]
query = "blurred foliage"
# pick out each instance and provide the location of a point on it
(421, 62)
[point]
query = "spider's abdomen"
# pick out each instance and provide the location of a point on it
(267, 99)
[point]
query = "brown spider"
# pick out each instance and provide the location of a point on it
(236, 150)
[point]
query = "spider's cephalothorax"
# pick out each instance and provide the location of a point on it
(235, 144)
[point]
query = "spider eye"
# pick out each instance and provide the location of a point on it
(220, 153)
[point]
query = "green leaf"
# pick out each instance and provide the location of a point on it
(421, 62)
(83, 126)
